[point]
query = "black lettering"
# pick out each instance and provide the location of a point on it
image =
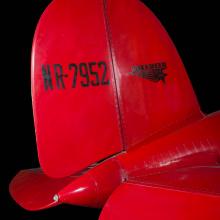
(84, 73)
(105, 80)
(59, 76)
(47, 77)
(90, 74)
(94, 73)
(72, 65)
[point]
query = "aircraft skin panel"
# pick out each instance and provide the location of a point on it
(197, 142)
(100, 89)
(177, 163)
(155, 94)
(203, 179)
(117, 123)
(143, 201)
(73, 89)
(33, 190)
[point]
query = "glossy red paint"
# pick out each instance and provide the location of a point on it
(117, 118)
(94, 187)
(138, 201)
(195, 144)
(75, 127)
(33, 190)
(147, 108)
(115, 140)
(163, 162)
(202, 179)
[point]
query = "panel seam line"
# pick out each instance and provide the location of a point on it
(109, 39)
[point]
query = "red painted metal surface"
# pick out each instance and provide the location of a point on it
(75, 126)
(84, 124)
(204, 179)
(147, 108)
(138, 201)
(33, 190)
(113, 104)
(94, 187)
(195, 144)
(158, 162)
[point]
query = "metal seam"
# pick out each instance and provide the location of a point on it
(115, 88)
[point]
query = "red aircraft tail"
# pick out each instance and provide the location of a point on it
(166, 162)
(103, 81)
(110, 93)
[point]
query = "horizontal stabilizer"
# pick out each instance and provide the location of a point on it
(198, 179)
(33, 190)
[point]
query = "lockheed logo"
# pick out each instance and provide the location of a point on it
(153, 72)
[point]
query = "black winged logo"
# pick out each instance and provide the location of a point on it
(152, 72)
